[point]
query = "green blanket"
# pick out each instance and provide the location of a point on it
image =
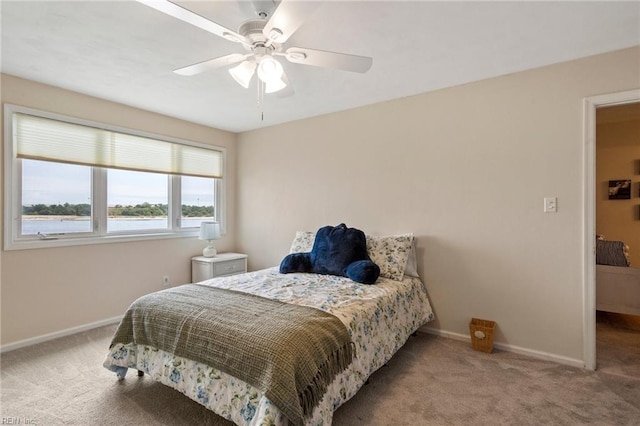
(289, 352)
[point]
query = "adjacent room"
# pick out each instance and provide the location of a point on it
(265, 212)
(618, 237)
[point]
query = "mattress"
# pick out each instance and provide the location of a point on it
(379, 319)
(618, 289)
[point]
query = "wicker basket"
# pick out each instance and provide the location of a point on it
(482, 334)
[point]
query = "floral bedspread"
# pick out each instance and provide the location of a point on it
(379, 318)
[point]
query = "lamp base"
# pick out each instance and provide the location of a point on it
(209, 251)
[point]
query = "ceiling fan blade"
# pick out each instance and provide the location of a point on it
(212, 64)
(287, 18)
(192, 18)
(321, 58)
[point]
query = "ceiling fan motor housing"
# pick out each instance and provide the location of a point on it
(252, 31)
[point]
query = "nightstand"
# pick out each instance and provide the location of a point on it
(223, 264)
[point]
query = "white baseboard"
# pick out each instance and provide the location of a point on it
(69, 331)
(510, 348)
(448, 334)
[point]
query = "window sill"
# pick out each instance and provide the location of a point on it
(26, 244)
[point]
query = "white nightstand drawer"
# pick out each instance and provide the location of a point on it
(201, 271)
(204, 268)
(229, 267)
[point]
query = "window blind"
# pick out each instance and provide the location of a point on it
(40, 138)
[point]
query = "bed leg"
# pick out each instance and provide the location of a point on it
(140, 373)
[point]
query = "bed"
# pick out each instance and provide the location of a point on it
(618, 289)
(617, 283)
(379, 319)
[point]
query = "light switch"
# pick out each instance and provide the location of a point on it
(550, 204)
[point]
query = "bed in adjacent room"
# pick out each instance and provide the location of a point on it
(378, 318)
(617, 283)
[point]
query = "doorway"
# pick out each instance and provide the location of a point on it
(589, 311)
(618, 223)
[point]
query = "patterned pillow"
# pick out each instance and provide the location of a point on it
(614, 253)
(303, 242)
(412, 263)
(391, 254)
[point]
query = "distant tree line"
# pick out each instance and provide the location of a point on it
(65, 209)
(144, 209)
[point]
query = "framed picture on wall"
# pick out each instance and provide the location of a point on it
(620, 189)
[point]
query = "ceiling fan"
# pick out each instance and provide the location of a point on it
(264, 40)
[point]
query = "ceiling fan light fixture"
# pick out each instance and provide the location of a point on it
(270, 70)
(274, 86)
(243, 73)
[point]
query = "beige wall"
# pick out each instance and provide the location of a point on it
(49, 290)
(466, 170)
(618, 157)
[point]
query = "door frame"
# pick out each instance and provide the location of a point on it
(589, 219)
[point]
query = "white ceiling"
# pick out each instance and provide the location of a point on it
(125, 52)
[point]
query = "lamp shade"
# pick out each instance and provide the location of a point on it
(243, 73)
(269, 70)
(274, 85)
(209, 230)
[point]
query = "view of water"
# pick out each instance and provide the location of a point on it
(57, 226)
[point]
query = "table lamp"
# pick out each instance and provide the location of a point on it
(209, 231)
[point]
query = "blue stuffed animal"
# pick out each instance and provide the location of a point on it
(337, 250)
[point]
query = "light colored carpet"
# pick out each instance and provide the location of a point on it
(431, 381)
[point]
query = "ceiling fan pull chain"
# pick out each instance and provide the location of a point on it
(260, 102)
(258, 94)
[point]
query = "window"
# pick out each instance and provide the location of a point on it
(137, 201)
(49, 210)
(69, 181)
(198, 201)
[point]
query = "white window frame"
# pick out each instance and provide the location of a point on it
(13, 192)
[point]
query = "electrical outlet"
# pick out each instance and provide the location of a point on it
(165, 281)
